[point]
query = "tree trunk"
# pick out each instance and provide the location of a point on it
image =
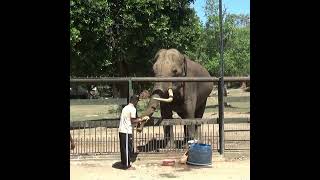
(115, 91)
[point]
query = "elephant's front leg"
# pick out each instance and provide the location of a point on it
(190, 131)
(166, 113)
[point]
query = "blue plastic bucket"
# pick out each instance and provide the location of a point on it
(200, 154)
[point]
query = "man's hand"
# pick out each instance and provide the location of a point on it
(145, 118)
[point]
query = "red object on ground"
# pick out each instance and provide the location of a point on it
(168, 162)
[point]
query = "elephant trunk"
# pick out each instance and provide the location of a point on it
(151, 108)
(158, 95)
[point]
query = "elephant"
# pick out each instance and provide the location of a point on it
(187, 99)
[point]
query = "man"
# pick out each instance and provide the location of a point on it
(72, 142)
(128, 117)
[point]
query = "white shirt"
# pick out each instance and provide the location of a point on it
(125, 122)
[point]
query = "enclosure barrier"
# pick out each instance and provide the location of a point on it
(109, 123)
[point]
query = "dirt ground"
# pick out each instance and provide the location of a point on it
(237, 168)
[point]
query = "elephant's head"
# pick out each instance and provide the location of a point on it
(168, 63)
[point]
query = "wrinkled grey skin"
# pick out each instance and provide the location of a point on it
(189, 99)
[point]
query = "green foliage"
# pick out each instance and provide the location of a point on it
(236, 30)
(104, 33)
(121, 37)
(89, 50)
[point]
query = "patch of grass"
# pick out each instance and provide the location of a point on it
(91, 112)
(114, 110)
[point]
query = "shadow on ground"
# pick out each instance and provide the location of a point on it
(155, 145)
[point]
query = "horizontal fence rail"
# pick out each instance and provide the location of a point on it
(114, 123)
(157, 79)
(110, 101)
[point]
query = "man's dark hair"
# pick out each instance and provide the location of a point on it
(134, 99)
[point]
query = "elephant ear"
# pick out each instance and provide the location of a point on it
(156, 57)
(184, 64)
(158, 53)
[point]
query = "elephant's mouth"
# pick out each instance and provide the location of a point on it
(168, 100)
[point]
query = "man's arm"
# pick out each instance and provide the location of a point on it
(133, 117)
(136, 120)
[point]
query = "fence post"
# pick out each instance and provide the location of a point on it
(130, 89)
(221, 83)
(130, 93)
(221, 115)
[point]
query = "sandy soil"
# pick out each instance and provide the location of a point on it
(152, 169)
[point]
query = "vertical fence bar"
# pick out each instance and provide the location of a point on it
(221, 117)
(221, 84)
(79, 129)
(174, 137)
(101, 138)
(200, 130)
(158, 138)
(205, 138)
(136, 141)
(171, 136)
(92, 145)
(98, 145)
(186, 133)
(153, 141)
(130, 90)
(81, 145)
(111, 140)
(208, 125)
(89, 141)
(95, 138)
(106, 137)
(74, 139)
(114, 143)
(130, 93)
(84, 135)
(108, 144)
(181, 132)
(212, 140)
(147, 142)
(179, 142)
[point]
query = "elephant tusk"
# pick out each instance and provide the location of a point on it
(170, 93)
(170, 99)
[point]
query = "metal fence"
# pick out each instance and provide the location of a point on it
(100, 136)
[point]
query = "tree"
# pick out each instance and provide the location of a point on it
(236, 30)
(120, 38)
(89, 51)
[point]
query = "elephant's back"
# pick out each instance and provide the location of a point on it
(196, 70)
(203, 88)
